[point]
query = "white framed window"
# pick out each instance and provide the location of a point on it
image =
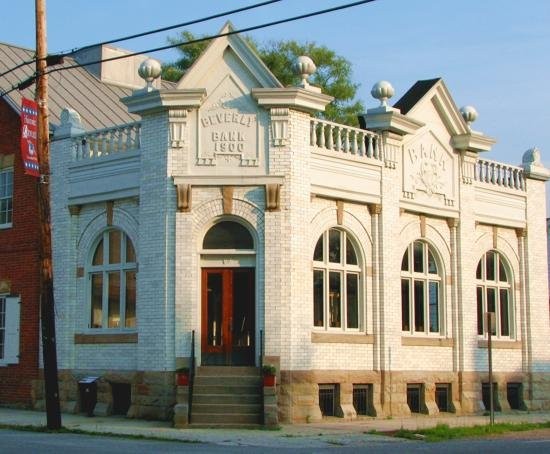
(112, 281)
(421, 282)
(9, 329)
(494, 294)
(6, 197)
(337, 282)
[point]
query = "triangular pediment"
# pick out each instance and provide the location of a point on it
(227, 54)
(431, 103)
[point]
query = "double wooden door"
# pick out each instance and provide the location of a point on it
(228, 316)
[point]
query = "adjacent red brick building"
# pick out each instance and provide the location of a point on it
(19, 267)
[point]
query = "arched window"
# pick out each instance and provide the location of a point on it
(336, 282)
(421, 292)
(112, 276)
(228, 235)
(493, 294)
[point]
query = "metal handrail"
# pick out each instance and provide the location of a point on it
(191, 376)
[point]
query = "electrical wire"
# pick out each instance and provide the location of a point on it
(150, 32)
(207, 38)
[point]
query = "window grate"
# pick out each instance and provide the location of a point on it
(362, 399)
(513, 394)
(413, 397)
(442, 396)
(486, 397)
(327, 395)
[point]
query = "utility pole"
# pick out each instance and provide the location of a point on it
(47, 313)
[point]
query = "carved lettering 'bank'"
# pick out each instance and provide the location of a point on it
(231, 228)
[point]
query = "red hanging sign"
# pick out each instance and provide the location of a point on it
(29, 134)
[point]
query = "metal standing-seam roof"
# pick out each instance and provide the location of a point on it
(98, 103)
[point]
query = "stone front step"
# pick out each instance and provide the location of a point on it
(214, 419)
(227, 396)
(234, 399)
(226, 409)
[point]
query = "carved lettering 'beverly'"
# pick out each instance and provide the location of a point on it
(227, 117)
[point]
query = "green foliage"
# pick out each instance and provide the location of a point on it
(443, 432)
(269, 369)
(333, 73)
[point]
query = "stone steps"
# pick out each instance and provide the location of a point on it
(227, 396)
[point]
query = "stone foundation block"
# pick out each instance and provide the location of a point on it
(181, 415)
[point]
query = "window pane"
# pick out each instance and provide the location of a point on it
(114, 246)
(97, 300)
(351, 256)
(504, 313)
(335, 312)
(352, 300)
(490, 266)
(502, 276)
(478, 270)
(405, 261)
(228, 235)
(318, 297)
(432, 267)
(419, 305)
(98, 254)
(434, 306)
(491, 303)
(130, 252)
(215, 309)
(418, 256)
(334, 253)
(479, 293)
(114, 300)
(405, 305)
(130, 315)
(318, 253)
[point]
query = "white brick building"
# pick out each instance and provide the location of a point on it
(359, 261)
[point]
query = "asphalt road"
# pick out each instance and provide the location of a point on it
(20, 442)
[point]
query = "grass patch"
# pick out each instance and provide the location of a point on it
(443, 432)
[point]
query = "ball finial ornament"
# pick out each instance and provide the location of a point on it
(304, 67)
(382, 91)
(531, 156)
(149, 70)
(469, 113)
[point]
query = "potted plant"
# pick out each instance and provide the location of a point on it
(268, 372)
(182, 376)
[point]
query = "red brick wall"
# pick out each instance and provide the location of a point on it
(19, 264)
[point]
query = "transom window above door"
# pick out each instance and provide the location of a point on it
(228, 235)
(337, 281)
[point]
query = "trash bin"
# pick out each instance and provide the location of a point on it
(88, 394)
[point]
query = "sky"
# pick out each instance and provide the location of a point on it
(492, 54)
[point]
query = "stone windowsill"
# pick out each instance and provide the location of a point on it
(426, 341)
(106, 338)
(341, 338)
(500, 344)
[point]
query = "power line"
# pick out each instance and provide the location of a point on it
(219, 35)
(207, 38)
(150, 32)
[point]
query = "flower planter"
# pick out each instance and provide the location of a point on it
(182, 379)
(269, 380)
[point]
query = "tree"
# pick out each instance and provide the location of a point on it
(333, 73)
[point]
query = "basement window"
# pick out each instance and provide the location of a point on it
(443, 396)
(413, 397)
(327, 399)
(362, 399)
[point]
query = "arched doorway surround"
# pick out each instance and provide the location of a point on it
(228, 264)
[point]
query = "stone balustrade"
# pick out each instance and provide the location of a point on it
(345, 139)
(499, 174)
(104, 142)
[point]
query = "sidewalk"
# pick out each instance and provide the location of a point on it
(330, 432)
